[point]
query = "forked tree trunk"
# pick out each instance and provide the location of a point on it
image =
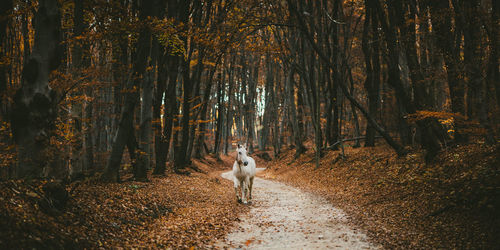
(111, 172)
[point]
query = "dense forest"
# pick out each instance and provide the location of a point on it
(122, 90)
(174, 80)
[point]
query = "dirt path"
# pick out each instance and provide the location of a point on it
(284, 217)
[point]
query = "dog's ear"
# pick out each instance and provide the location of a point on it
(239, 146)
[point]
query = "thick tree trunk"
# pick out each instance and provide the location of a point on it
(34, 109)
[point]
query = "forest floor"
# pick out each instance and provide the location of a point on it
(403, 203)
(398, 202)
(171, 211)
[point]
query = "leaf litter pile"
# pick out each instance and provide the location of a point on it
(404, 203)
(172, 211)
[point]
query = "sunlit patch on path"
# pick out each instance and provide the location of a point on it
(285, 217)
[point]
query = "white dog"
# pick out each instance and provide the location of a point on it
(244, 173)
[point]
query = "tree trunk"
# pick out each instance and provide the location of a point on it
(34, 108)
(144, 159)
(77, 161)
(494, 72)
(441, 26)
(357, 132)
(168, 118)
(200, 142)
(159, 91)
(229, 111)
(250, 105)
(220, 116)
(5, 8)
(372, 62)
(111, 172)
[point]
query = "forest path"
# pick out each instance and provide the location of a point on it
(283, 217)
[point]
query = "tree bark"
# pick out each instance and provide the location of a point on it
(77, 161)
(372, 64)
(34, 109)
(441, 24)
(168, 118)
(111, 172)
(220, 114)
(5, 8)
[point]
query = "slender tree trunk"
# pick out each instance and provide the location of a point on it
(220, 116)
(229, 111)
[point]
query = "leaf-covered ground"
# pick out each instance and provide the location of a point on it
(403, 202)
(172, 211)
